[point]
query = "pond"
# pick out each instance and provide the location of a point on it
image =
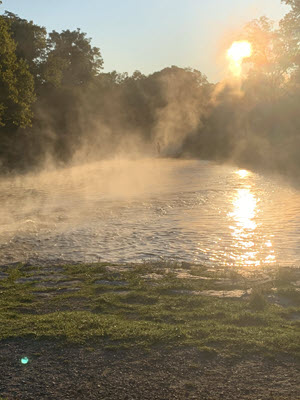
(134, 210)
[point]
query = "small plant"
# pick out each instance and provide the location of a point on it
(257, 300)
(286, 275)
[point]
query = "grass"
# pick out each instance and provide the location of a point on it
(149, 304)
(258, 301)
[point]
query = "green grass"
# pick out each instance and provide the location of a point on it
(135, 310)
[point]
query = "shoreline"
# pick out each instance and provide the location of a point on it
(152, 331)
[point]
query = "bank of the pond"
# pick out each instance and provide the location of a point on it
(219, 311)
(151, 331)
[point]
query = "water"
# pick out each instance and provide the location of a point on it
(123, 211)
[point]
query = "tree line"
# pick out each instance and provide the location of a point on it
(57, 105)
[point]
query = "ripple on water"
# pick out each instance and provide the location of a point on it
(133, 210)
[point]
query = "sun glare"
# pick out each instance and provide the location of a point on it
(242, 173)
(236, 53)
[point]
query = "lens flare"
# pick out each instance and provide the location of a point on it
(236, 54)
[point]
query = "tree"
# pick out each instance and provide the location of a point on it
(290, 31)
(71, 60)
(30, 39)
(16, 83)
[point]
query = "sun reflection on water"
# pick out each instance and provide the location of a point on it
(244, 212)
(242, 173)
(252, 247)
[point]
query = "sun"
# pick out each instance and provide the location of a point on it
(236, 53)
(239, 50)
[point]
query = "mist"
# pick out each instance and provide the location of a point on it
(71, 113)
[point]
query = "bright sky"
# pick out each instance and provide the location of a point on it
(150, 35)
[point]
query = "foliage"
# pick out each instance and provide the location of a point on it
(16, 83)
(76, 61)
(257, 300)
(30, 41)
(290, 31)
(173, 112)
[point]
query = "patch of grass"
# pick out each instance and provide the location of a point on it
(145, 314)
(290, 293)
(257, 300)
(284, 276)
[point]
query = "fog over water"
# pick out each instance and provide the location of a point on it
(132, 210)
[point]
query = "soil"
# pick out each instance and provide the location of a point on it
(57, 371)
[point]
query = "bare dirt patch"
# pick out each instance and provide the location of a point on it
(76, 372)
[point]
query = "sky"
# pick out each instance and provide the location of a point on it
(151, 35)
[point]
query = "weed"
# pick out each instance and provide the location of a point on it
(257, 300)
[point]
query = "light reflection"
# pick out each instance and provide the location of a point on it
(242, 173)
(244, 211)
(252, 249)
(243, 214)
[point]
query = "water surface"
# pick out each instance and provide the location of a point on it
(135, 210)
